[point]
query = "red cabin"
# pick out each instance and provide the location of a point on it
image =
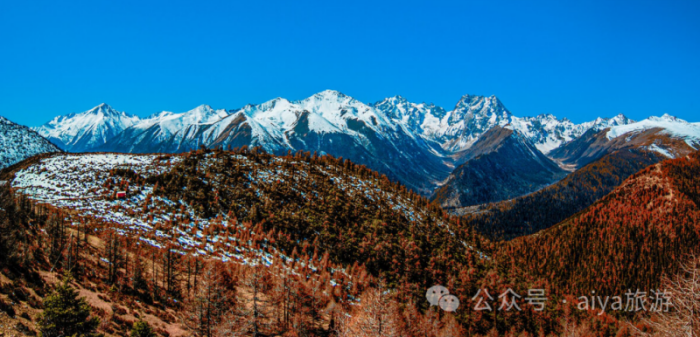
(121, 195)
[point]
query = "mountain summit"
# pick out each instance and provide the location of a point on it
(87, 130)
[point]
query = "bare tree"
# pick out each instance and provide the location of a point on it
(205, 308)
(375, 316)
(683, 319)
(250, 318)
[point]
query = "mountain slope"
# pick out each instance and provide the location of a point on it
(548, 133)
(19, 142)
(344, 209)
(542, 209)
(501, 165)
(643, 229)
(318, 229)
(165, 131)
(666, 135)
(87, 130)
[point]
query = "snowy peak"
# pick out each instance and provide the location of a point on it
(165, 124)
(419, 119)
(203, 114)
(401, 109)
(329, 101)
(332, 95)
(480, 107)
(87, 130)
(671, 126)
(105, 110)
(621, 119)
(604, 123)
(159, 115)
(477, 100)
(667, 135)
(667, 118)
(338, 109)
(471, 117)
(279, 113)
(548, 132)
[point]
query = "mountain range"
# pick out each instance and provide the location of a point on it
(609, 213)
(334, 223)
(418, 144)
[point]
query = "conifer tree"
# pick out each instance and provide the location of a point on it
(142, 329)
(66, 314)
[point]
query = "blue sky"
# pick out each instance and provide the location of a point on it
(577, 60)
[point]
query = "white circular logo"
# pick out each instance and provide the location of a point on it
(434, 293)
(449, 303)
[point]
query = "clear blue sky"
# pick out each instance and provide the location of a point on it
(574, 60)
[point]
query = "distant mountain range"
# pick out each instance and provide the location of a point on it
(423, 146)
(670, 136)
(418, 144)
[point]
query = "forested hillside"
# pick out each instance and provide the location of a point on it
(551, 205)
(217, 243)
(501, 165)
(627, 240)
(325, 227)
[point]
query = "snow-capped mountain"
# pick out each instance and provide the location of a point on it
(19, 142)
(334, 123)
(670, 136)
(671, 126)
(418, 144)
(161, 132)
(420, 118)
(502, 164)
(458, 129)
(548, 133)
(87, 130)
